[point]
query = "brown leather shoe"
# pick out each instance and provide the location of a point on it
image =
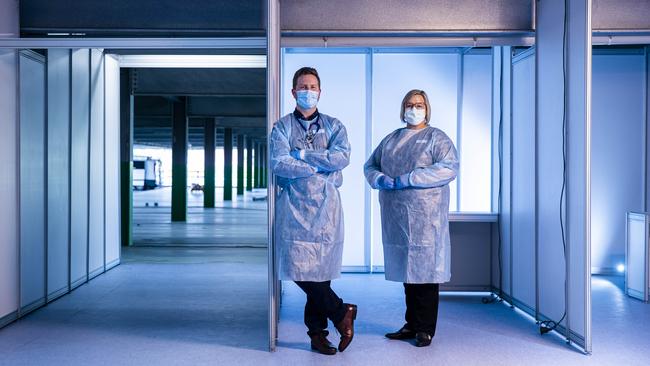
(346, 326)
(320, 343)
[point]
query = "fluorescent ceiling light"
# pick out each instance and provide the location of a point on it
(194, 61)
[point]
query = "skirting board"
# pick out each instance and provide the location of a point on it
(112, 264)
(9, 318)
(31, 307)
(78, 283)
(57, 294)
(95, 273)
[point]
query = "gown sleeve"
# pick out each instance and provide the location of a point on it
(282, 163)
(445, 166)
(335, 157)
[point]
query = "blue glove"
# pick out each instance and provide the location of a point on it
(402, 181)
(385, 182)
(295, 154)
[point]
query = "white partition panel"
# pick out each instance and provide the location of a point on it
(563, 69)
(58, 172)
(501, 264)
(393, 75)
(343, 77)
(523, 181)
(32, 181)
(112, 159)
(96, 190)
(9, 270)
(637, 256)
(618, 131)
(79, 166)
(475, 133)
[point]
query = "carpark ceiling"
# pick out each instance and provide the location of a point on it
(233, 98)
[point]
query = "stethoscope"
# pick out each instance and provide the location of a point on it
(311, 132)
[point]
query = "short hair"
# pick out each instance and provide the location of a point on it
(305, 71)
(426, 102)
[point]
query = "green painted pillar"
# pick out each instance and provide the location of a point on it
(179, 160)
(126, 158)
(261, 149)
(227, 166)
(249, 164)
(256, 165)
(209, 163)
(240, 164)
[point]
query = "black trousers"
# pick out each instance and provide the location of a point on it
(422, 306)
(322, 304)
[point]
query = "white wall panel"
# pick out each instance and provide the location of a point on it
(476, 134)
(343, 76)
(58, 172)
(617, 156)
(112, 168)
(32, 180)
(523, 181)
(96, 201)
(9, 270)
(79, 166)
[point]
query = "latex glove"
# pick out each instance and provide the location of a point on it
(402, 181)
(385, 182)
(295, 154)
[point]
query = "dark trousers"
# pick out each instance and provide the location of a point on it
(422, 306)
(322, 304)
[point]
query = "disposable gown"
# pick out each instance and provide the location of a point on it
(414, 221)
(309, 217)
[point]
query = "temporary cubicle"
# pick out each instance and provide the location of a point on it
(501, 103)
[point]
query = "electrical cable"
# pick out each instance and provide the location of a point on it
(549, 325)
(499, 298)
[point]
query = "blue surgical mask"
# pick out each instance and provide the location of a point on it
(414, 116)
(306, 99)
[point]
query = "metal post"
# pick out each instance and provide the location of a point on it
(179, 160)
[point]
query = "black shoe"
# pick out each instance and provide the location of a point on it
(401, 334)
(422, 339)
(320, 343)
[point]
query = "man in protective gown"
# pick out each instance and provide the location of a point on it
(308, 151)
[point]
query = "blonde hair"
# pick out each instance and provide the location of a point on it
(408, 96)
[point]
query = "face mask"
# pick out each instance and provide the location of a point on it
(307, 99)
(414, 116)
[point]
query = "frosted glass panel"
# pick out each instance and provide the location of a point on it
(476, 134)
(393, 75)
(343, 78)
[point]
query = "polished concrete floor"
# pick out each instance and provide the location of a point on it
(236, 223)
(186, 302)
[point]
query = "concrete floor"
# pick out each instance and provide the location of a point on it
(187, 303)
(241, 222)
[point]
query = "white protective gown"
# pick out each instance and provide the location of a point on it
(309, 216)
(414, 221)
